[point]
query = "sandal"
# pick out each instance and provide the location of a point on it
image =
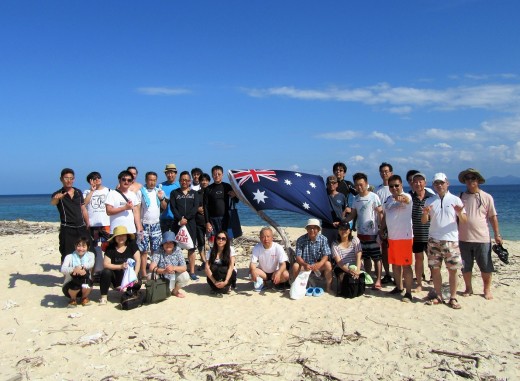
(454, 303)
(433, 299)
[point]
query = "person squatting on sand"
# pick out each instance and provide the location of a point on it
(220, 266)
(268, 261)
(443, 211)
(346, 251)
(313, 252)
(77, 268)
(170, 263)
(121, 248)
(474, 238)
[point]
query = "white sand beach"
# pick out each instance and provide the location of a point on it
(248, 335)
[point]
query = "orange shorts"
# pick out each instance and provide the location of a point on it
(400, 252)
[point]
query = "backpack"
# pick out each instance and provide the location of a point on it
(131, 299)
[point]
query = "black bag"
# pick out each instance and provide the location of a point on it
(352, 288)
(131, 299)
(157, 289)
(234, 227)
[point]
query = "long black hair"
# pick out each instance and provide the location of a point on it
(226, 252)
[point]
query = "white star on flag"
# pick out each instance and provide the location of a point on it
(287, 182)
(259, 196)
(312, 185)
(306, 206)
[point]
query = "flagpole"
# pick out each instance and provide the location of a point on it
(260, 213)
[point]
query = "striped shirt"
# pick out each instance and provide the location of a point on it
(420, 230)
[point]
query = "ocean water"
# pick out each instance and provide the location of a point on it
(38, 208)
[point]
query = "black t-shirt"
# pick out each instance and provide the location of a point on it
(216, 200)
(70, 208)
(117, 258)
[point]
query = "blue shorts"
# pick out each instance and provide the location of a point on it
(476, 251)
(152, 238)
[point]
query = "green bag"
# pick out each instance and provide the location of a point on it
(157, 289)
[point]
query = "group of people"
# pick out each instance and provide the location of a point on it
(137, 223)
(399, 228)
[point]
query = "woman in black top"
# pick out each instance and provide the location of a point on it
(220, 267)
(121, 248)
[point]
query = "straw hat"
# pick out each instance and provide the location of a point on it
(121, 230)
(170, 167)
(471, 171)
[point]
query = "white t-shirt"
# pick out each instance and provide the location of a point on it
(268, 259)
(443, 217)
(97, 213)
(366, 223)
(149, 214)
(398, 217)
(125, 218)
(383, 192)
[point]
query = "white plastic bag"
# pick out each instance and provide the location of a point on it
(299, 286)
(183, 238)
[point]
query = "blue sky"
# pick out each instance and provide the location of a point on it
(431, 85)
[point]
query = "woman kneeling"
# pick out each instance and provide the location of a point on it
(77, 267)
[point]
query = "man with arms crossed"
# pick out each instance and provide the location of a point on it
(268, 260)
(442, 211)
(474, 239)
(398, 220)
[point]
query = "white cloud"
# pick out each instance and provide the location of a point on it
(162, 91)
(442, 145)
(356, 158)
(339, 135)
(381, 136)
(506, 127)
(487, 96)
(437, 133)
(294, 167)
(505, 153)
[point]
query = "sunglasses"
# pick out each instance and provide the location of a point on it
(126, 180)
(221, 239)
(470, 178)
(394, 185)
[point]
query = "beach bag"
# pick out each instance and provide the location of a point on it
(183, 238)
(352, 288)
(234, 227)
(299, 286)
(157, 289)
(131, 299)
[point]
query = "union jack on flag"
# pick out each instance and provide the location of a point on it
(284, 190)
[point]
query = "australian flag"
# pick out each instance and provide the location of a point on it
(292, 191)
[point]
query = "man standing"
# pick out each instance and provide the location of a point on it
(151, 239)
(344, 186)
(474, 239)
(367, 209)
(313, 252)
(268, 260)
(95, 198)
(123, 205)
(217, 199)
(166, 219)
(135, 184)
(442, 211)
(398, 220)
(419, 195)
(383, 192)
(73, 214)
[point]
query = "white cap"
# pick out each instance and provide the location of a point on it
(313, 222)
(440, 177)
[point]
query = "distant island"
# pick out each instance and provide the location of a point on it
(504, 180)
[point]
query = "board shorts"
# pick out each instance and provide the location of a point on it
(370, 248)
(152, 237)
(400, 252)
(444, 250)
(479, 252)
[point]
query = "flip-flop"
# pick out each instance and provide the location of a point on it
(318, 291)
(454, 303)
(310, 291)
(377, 287)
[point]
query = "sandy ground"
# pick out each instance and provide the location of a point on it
(248, 335)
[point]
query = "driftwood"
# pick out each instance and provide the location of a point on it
(308, 371)
(459, 355)
(25, 227)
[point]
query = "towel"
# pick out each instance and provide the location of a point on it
(129, 277)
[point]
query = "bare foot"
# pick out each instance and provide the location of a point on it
(417, 289)
(488, 295)
(467, 293)
(178, 294)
